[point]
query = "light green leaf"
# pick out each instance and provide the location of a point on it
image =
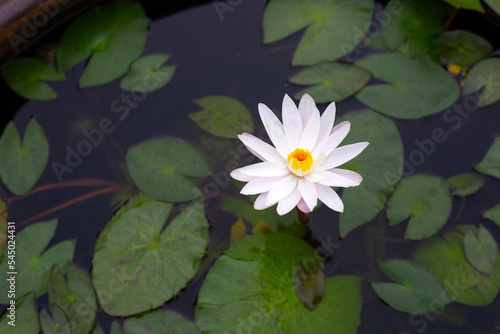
(25, 76)
(418, 291)
(484, 77)
(33, 264)
(415, 87)
(494, 5)
(490, 164)
(159, 168)
(147, 74)
(463, 47)
(25, 316)
(115, 328)
(222, 116)
(22, 164)
(334, 27)
(98, 330)
(57, 325)
(113, 33)
(493, 214)
(424, 198)
(159, 321)
(445, 257)
(465, 184)
(332, 81)
(148, 264)
(467, 4)
(481, 250)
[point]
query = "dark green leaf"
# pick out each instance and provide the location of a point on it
(159, 321)
(147, 74)
(493, 214)
(98, 330)
(481, 250)
(25, 316)
(467, 4)
(490, 164)
(465, 184)
(309, 282)
(484, 77)
(115, 328)
(463, 47)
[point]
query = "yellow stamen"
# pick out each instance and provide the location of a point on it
(300, 162)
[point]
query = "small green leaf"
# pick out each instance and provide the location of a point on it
(115, 328)
(222, 116)
(59, 324)
(484, 77)
(481, 251)
(147, 74)
(26, 317)
(490, 164)
(22, 164)
(493, 214)
(309, 282)
(159, 321)
(418, 291)
(494, 5)
(467, 4)
(465, 184)
(159, 168)
(25, 76)
(424, 198)
(332, 81)
(463, 47)
(98, 330)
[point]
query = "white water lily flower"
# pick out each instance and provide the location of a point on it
(302, 165)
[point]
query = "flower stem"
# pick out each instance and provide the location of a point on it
(303, 217)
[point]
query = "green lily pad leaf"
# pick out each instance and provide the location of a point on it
(116, 329)
(333, 27)
(159, 168)
(418, 291)
(309, 282)
(75, 297)
(26, 318)
(445, 257)
(379, 164)
(3, 226)
(490, 164)
(467, 4)
(25, 76)
(464, 48)
(415, 88)
(21, 165)
(98, 329)
(413, 27)
(481, 250)
(57, 325)
(251, 286)
(424, 198)
(148, 74)
(222, 116)
(113, 33)
(148, 264)
(159, 321)
(465, 184)
(484, 76)
(33, 264)
(332, 81)
(493, 5)
(493, 214)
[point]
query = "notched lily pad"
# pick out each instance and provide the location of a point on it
(463, 47)
(465, 184)
(483, 80)
(57, 324)
(493, 214)
(148, 74)
(490, 164)
(481, 250)
(159, 321)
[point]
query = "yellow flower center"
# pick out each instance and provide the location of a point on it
(300, 162)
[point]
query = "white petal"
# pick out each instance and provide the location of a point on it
(303, 206)
(279, 140)
(259, 185)
(260, 202)
(238, 175)
(260, 149)
(339, 133)
(327, 120)
(289, 202)
(281, 189)
(308, 193)
(336, 177)
(265, 169)
(316, 177)
(342, 154)
(311, 131)
(267, 116)
(306, 108)
(292, 122)
(330, 198)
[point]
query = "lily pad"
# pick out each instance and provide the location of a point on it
(333, 81)
(22, 164)
(333, 28)
(467, 4)
(115, 328)
(138, 265)
(465, 184)
(148, 74)
(222, 116)
(418, 291)
(494, 5)
(251, 287)
(25, 315)
(415, 88)
(59, 324)
(309, 282)
(160, 321)
(445, 257)
(33, 264)
(424, 198)
(481, 250)
(379, 164)
(25, 76)
(113, 33)
(493, 214)
(484, 77)
(159, 168)
(490, 164)
(464, 48)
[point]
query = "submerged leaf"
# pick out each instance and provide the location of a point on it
(481, 250)
(490, 164)
(238, 231)
(159, 321)
(463, 47)
(465, 184)
(309, 282)
(484, 77)
(493, 214)
(147, 74)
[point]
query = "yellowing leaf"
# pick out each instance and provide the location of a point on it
(238, 231)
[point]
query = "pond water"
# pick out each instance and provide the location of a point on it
(222, 53)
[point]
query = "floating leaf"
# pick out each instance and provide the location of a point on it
(26, 318)
(115, 328)
(21, 165)
(25, 76)
(465, 184)
(493, 214)
(332, 81)
(493, 5)
(490, 164)
(379, 164)
(159, 321)
(222, 116)
(33, 264)
(415, 87)
(309, 282)
(467, 4)
(445, 257)
(484, 76)
(57, 325)
(418, 291)
(159, 167)
(98, 329)
(481, 251)
(238, 231)
(251, 286)
(333, 26)
(147, 74)
(113, 33)
(148, 264)
(464, 48)
(424, 198)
